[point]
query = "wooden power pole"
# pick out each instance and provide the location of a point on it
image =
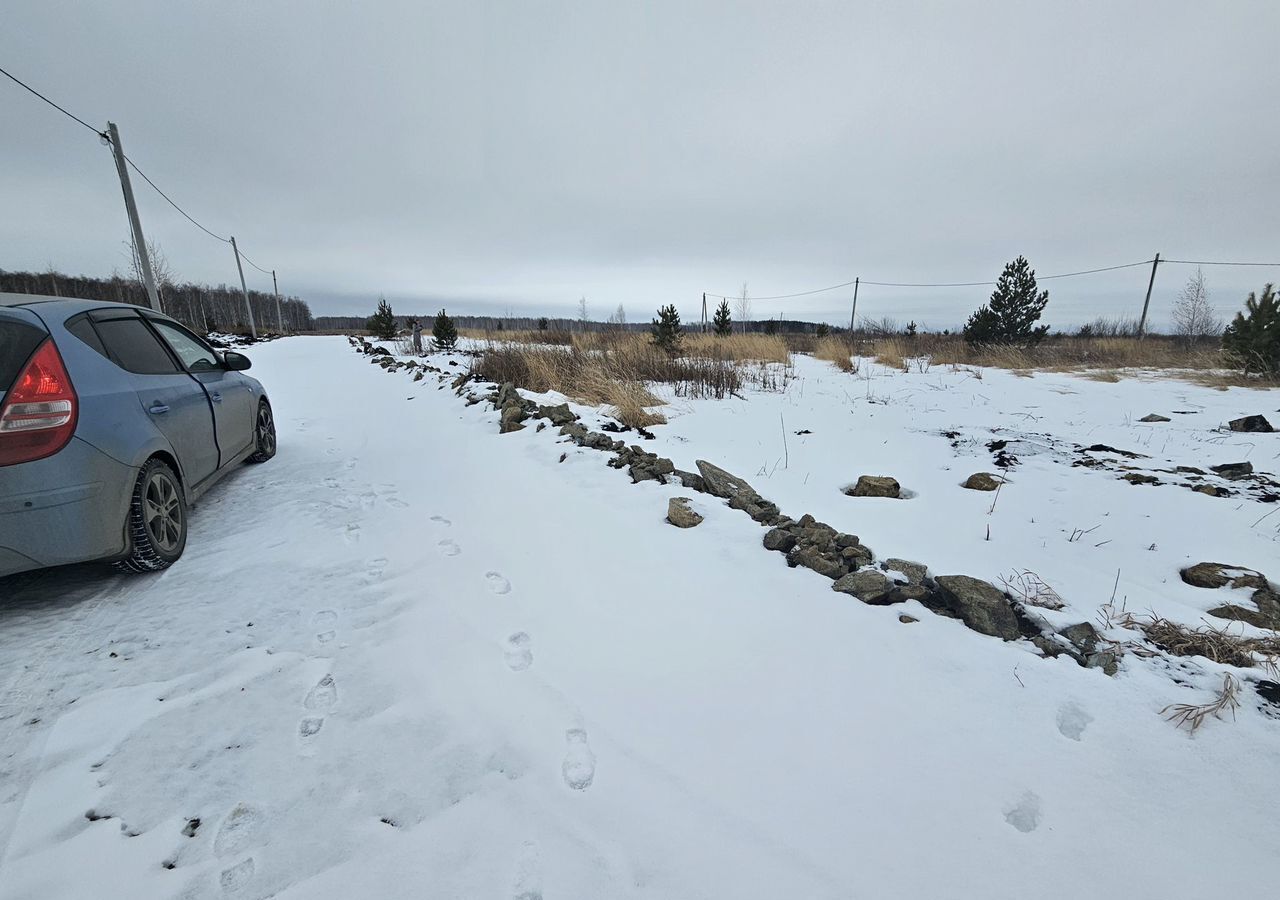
(279, 315)
(1142, 323)
(853, 313)
(135, 224)
(248, 308)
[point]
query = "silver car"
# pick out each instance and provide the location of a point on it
(113, 419)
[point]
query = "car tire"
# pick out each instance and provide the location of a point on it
(157, 523)
(264, 434)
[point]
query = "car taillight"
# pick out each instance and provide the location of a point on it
(38, 416)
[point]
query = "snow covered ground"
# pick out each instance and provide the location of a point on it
(412, 658)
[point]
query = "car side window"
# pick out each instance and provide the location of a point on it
(194, 353)
(81, 327)
(132, 346)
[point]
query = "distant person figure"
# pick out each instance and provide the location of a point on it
(417, 335)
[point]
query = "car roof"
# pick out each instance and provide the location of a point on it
(56, 305)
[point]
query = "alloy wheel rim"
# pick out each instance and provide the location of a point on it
(266, 431)
(162, 512)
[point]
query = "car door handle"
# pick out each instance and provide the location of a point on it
(215, 397)
(157, 409)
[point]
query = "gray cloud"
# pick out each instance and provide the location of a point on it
(523, 154)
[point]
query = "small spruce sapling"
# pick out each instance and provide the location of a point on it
(443, 332)
(666, 330)
(721, 322)
(1014, 308)
(1254, 339)
(382, 324)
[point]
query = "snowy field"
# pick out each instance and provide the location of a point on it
(412, 658)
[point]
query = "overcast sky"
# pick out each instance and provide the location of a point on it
(494, 156)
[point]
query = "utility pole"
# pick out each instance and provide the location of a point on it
(704, 312)
(279, 315)
(135, 224)
(1142, 323)
(253, 329)
(853, 313)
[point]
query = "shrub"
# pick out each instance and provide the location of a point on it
(1254, 339)
(382, 324)
(666, 330)
(444, 332)
(1013, 310)
(822, 330)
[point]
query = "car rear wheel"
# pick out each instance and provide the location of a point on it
(157, 520)
(264, 434)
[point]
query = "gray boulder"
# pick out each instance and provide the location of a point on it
(1216, 575)
(512, 416)
(981, 481)
(1267, 614)
(1153, 417)
(814, 559)
(1234, 470)
(690, 480)
(720, 483)
(1251, 424)
(868, 585)
(779, 539)
(1084, 637)
(981, 606)
(680, 515)
(916, 572)
(875, 486)
(558, 415)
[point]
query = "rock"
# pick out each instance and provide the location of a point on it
(846, 540)
(1234, 470)
(981, 481)
(1153, 417)
(916, 592)
(868, 585)
(1106, 660)
(980, 605)
(1267, 614)
(1048, 646)
(512, 416)
(1084, 637)
(680, 515)
(857, 556)
(1216, 575)
(1213, 490)
(559, 415)
(779, 539)
(875, 486)
(906, 619)
(814, 559)
(720, 483)
(1252, 424)
(1139, 478)
(916, 572)
(575, 430)
(691, 481)
(756, 507)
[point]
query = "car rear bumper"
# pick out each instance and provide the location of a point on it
(68, 508)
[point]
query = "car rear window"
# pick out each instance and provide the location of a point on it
(133, 346)
(18, 341)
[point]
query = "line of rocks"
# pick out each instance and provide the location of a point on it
(817, 546)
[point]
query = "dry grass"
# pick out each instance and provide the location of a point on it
(837, 350)
(1216, 644)
(1192, 715)
(745, 347)
(1031, 590)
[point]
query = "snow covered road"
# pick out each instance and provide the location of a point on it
(410, 658)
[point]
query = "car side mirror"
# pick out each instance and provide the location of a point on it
(236, 362)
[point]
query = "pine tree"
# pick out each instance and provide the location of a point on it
(382, 324)
(1254, 340)
(543, 324)
(1014, 309)
(822, 330)
(666, 330)
(444, 332)
(912, 329)
(721, 322)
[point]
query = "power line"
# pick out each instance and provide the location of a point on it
(23, 84)
(1201, 262)
(254, 264)
(936, 284)
(154, 187)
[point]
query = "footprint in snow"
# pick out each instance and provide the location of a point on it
(579, 766)
(497, 583)
(527, 883)
(351, 534)
(449, 548)
(397, 503)
(1072, 721)
(234, 879)
(237, 831)
(323, 696)
(441, 521)
(1025, 814)
(518, 653)
(308, 728)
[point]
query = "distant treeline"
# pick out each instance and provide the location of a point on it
(199, 307)
(534, 323)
